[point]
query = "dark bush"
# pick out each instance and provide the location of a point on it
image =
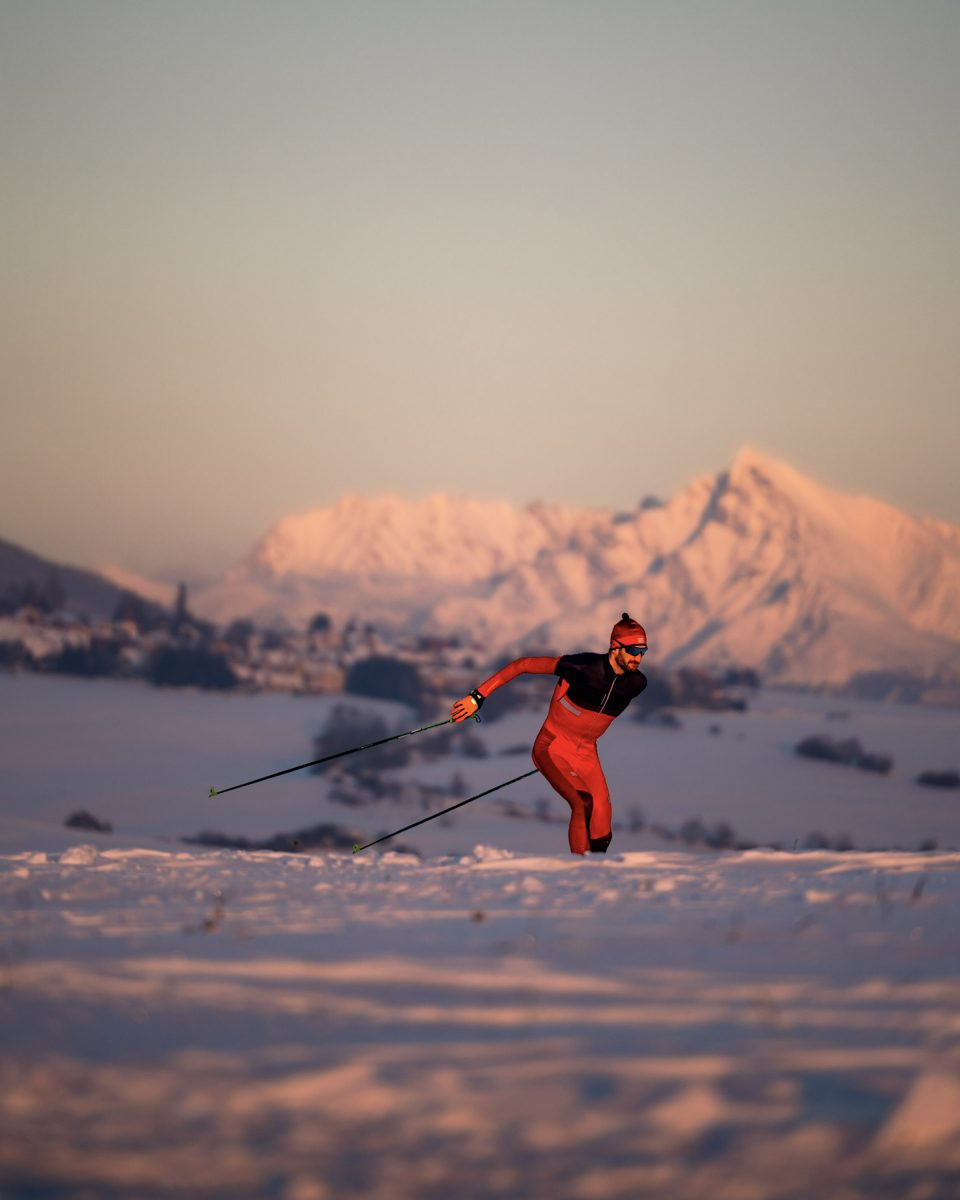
(459, 740)
(827, 750)
(657, 694)
(349, 726)
(100, 657)
(878, 763)
(385, 678)
(14, 655)
(693, 831)
(239, 633)
(317, 837)
(939, 779)
(190, 666)
(721, 836)
(741, 677)
(699, 689)
(847, 751)
(81, 819)
(689, 688)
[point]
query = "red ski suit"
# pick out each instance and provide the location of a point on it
(587, 699)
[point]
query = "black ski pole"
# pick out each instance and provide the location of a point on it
(330, 757)
(357, 847)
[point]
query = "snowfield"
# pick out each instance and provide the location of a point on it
(144, 759)
(504, 1021)
(215, 1024)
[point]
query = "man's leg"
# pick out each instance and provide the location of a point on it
(599, 813)
(559, 771)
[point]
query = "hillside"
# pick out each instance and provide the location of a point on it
(76, 590)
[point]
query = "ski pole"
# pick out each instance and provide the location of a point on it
(330, 757)
(357, 847)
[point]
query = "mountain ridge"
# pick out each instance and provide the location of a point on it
(758, 565)
(75, 588)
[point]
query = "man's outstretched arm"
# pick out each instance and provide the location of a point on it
(470, 705)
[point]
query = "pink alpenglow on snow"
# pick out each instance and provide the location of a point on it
(757, 566)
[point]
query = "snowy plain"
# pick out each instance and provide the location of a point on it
(145, 758)
(496, 1018)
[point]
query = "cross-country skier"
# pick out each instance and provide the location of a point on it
(593, 690)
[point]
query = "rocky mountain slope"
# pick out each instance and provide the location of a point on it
(757, 566)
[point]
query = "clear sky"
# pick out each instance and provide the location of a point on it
(256, 255)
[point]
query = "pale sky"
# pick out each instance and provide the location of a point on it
(256, 255)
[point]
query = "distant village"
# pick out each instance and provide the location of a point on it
(174, 648)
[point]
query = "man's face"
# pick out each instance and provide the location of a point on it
(628, 663)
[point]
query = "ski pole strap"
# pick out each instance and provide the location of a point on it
(315, 762)
(423, 820)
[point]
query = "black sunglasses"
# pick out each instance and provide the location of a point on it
(635, 650)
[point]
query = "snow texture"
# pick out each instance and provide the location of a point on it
(491, 1024)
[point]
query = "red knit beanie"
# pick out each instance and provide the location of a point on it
(628, 632)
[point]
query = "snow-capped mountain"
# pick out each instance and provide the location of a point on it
(390, 560)
(758, 566)
(804, 583)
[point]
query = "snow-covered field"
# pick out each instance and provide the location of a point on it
(145, 759)
(490, 1025)
(496, 1019)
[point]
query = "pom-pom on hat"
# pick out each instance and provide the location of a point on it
(628, 632)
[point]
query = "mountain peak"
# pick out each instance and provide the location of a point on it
(750, 461)
(755, 474)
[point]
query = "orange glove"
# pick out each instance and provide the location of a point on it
(469, 706)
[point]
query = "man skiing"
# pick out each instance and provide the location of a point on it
(593, 690)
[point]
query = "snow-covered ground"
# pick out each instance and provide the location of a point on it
(498, 1018)
(145, 759)
(217, 1024)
